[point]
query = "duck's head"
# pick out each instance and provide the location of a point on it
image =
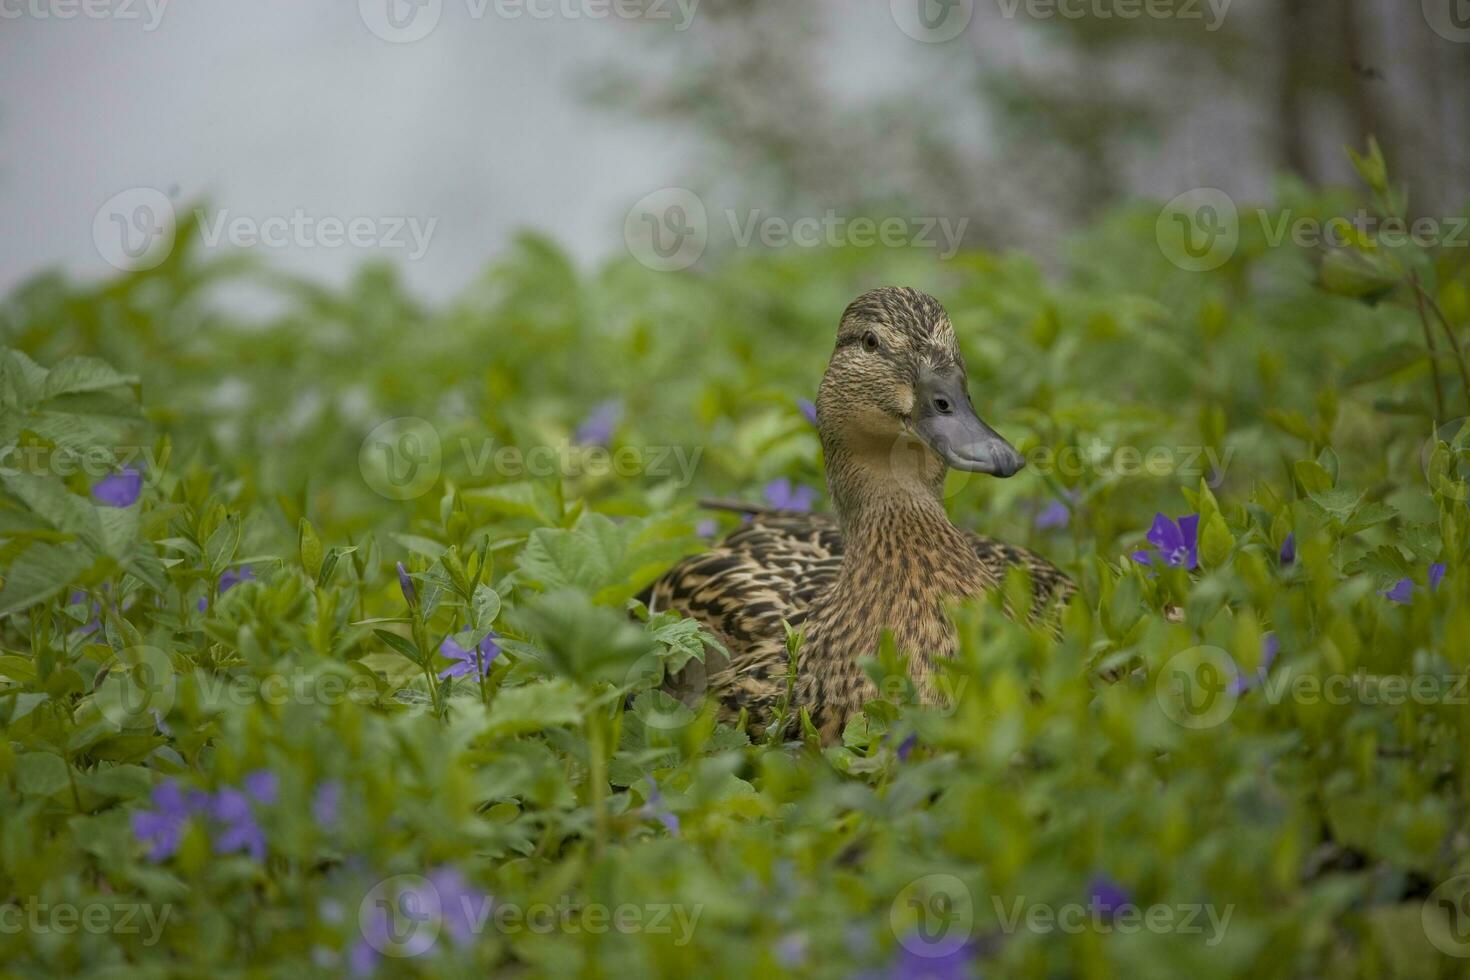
(895, 394)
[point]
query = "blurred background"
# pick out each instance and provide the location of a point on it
(487, 116)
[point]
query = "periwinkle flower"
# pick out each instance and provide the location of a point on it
(405, 585)
(907, 746)
(1176, 543)
(1106, 895)
(782, 494)
(597, 428)
(163, 827)
(1288, 550)
(658, 809)
(953, 964)
(791, 950)
(119, 489)
(1403, 590)
(465, 660)
(808, 409)
(238, 830)
(1270, 647)
(325, 802)
(461, 906)
(262, 786)
(707, 528)
(1054, 515)
(230, 578)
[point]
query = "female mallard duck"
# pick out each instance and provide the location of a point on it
(894, 415)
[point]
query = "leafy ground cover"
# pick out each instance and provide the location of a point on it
(317, 654)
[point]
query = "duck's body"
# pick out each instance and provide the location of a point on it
(894, 416)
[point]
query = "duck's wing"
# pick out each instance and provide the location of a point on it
(1049, 583)
(766, 571)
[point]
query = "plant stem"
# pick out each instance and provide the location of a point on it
(1439, 415)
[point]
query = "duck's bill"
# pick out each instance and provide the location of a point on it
(966, 443)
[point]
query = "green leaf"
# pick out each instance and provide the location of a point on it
(580, 640)
(534, 707)
(310, 547)
(486, 606)
(401, 644)
(40, 774)
(81, 374)
(609, 560)
(41, 571)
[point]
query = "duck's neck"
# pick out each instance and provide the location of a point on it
(897, 538)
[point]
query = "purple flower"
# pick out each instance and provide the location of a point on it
(808, 408)
(910, 964)
(1106, 895)
(791, 950)
(597, 428)
(163, 827)
(1403, 590)
(465, 659)
(238, 830)
(324, 803)
(907, 746)
(230, 578)
(656, 807)
(782, 494)
(1270, 647)
(461, 907)
(119, 489)
(262, 786)
(1054, 515)
(707, 528)
(1177, 543)
(1288, 550)
(405, 584)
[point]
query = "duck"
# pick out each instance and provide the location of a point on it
(894, 416)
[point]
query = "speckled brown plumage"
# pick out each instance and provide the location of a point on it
(890, 559)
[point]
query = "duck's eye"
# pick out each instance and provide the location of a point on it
(870, 341)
